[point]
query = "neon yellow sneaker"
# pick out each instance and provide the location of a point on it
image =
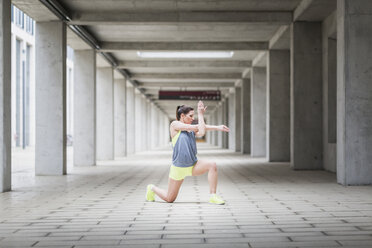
(216, 200)
(150, 195)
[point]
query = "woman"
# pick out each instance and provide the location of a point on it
(185, 162)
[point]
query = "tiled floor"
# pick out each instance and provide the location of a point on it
(268, 205)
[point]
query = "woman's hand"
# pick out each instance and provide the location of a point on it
(223, 128)
(201, 108)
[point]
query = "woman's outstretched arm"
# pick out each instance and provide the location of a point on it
(217, 128)
(180, 126)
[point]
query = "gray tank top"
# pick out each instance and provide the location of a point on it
(184, 149)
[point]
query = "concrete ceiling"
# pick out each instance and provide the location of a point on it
(121, 28)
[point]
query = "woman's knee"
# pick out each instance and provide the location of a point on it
(170, 200)
(213, 166)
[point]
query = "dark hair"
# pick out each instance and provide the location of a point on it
(182, 110)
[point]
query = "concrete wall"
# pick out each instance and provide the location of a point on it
(50, 150)
(329, 31)
(258, 111)
(84, 141)
(5, 97)
(354, 92)
(120, 117)
(105, 114)
(306, 96)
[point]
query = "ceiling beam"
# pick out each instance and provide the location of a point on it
(185, 76)
(183, 64)
(267, 17)
(281, 39)
(314, 10)
(183, 85)
(183, 46)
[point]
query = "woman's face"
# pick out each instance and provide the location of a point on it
(188, 118)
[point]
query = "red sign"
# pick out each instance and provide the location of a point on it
(211, 95)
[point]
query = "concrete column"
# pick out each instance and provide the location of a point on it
(329, 32)
(5, 97)
(238, 119)
(105, 114)
(162, 130)
(212, 132)
(144, 123)
(153, 126)
(354, 92)
(157, 127)
(225, 117)
(231, 120)
(120, 117)
(166, 130)
(138, 121)
(278, 106)
(246, 116)
(50, 97)
(219, 121)
(84, 108)
(148, 124)
(209, 133)
(130, 121)
(258, 112)
(215, 121)
(306, 95)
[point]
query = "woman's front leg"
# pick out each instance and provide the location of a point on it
(202, 167)
(172, 193)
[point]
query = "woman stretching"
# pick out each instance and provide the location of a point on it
(184, 159)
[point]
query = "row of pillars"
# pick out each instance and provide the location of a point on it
(111, 118)
(277, 113)
(299, 69)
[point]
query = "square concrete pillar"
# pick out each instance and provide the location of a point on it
(306, 96)
(120, 97)
(138, 122)
(238, 121)
(231, 120)
(214, 121)
(258, 111)
(148, 124)
(329, 33)
(105, 113)
(130, 120)
(157, 126)
(278, 106)
(246, 116)
(144, 123)
(225, 108)
(208, 133)
(50, 98)
(219, 122)
(153, 134)
(84, 108)
(5, 97)
(354, 92)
